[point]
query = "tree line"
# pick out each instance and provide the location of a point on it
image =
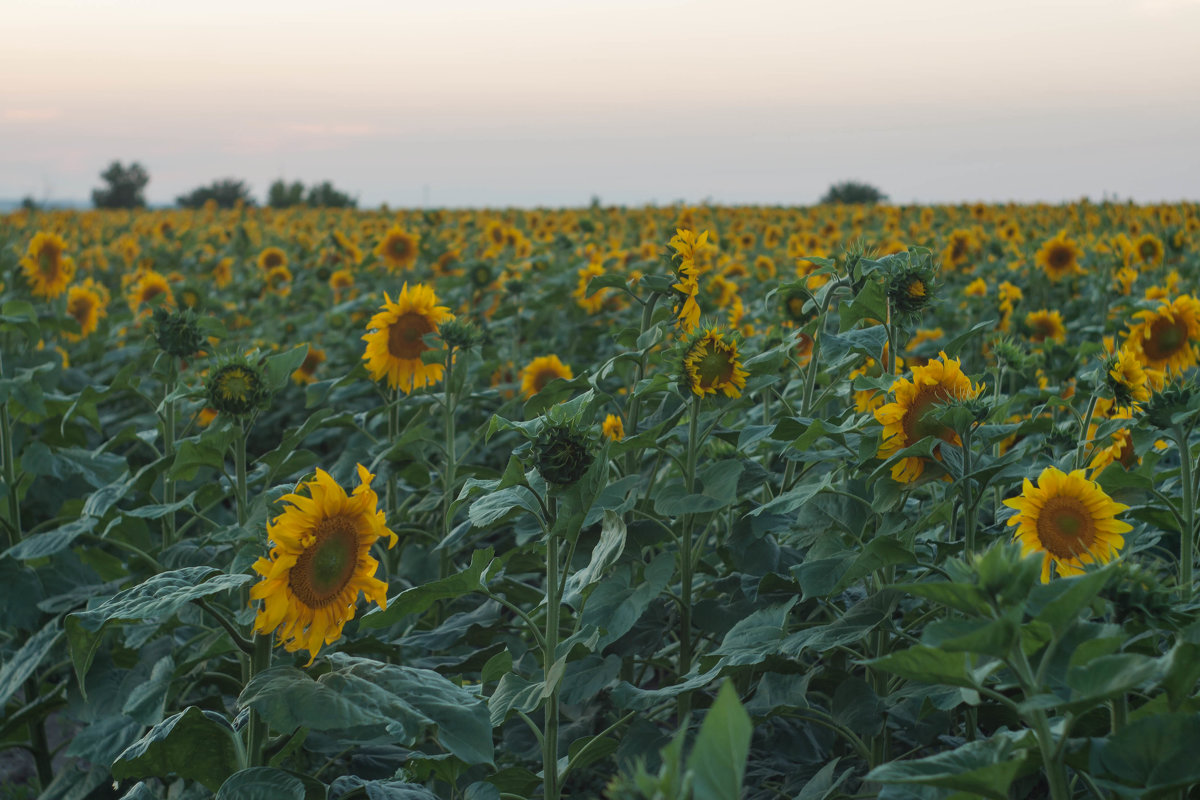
(125, 188)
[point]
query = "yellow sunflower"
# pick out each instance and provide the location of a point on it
(149, 286)
(271, 258)
(319, 562)
(1166, 338)
(46, 267)
(305, 373)
(1059, 257)
(1069, 519)
(222, 273)
(1149, 250)
(1127, 378)
(1045, 325)
(904, 420)
(398, 248)
(711, 365)
(396, 338)
(613, 428)
(541, 371)
(87, 307)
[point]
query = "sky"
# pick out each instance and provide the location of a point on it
(531, 102)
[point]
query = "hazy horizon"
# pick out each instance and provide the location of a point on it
(473, 103)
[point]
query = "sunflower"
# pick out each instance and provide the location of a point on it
(87, 307)
(1069, 519)
(711, 365)
(1059, 257)
(396, 338)
(150, 286)
(540, 372)
(222, 273)
(976, 288)
(904, 420)
(398, 248)
(272, 258)
(1127, 379)
(46, 268)
(305, 373)
(319, 562)
(339, 281)
(1166, 338)
(613, 428)
(1045, 325)
(1149, 250)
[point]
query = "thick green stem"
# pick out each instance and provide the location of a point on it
(970, 514)
(239, 463)
(686, 562)
(257, 729)
(635, 403)
(10, 475)
(551, 790)
(393, 430)
(10, 468)
(1081, 448)
(1187, 537)
(451, 465)
(37, 739)
(169, 453)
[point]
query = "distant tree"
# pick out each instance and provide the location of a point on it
(853, 192)
(125, 185)
(324, 195)
(226, 192)
(285, 195)
(29, 204)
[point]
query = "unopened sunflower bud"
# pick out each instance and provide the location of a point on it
(177, 332)
(237, 388)
(562, 455)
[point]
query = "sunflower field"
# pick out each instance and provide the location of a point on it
(660, 503)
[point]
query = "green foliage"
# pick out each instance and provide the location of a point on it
(225, 192)
(855, 192)
(125, 186)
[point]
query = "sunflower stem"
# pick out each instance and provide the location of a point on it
(239, 463)
(1083, 430)
(551, 789)
(1187, 536)
(635, 402)
(257, 729)
(451, 465)
(10, 469)
(169, 452)
(393, 429)
(970, 516)
(685, 563)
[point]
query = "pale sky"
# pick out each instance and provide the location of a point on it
(527, 102)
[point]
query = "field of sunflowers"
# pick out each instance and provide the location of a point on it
(659, 503)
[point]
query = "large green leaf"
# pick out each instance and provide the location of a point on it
(604, 555)
(160, 596)
(985, 768)
(1154, 753)
(363, 699)
(25, 661)
(195, 744)
(718, 759)
(929, 665)
(262, 783)
(755, 637)
(419, 598)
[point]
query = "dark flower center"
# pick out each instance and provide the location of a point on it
(405, 335)
(324, 569)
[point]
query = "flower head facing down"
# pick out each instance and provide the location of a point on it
(711, 364)
(909, 418)
(1069, 519)
(319, 562)
(396, 339)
